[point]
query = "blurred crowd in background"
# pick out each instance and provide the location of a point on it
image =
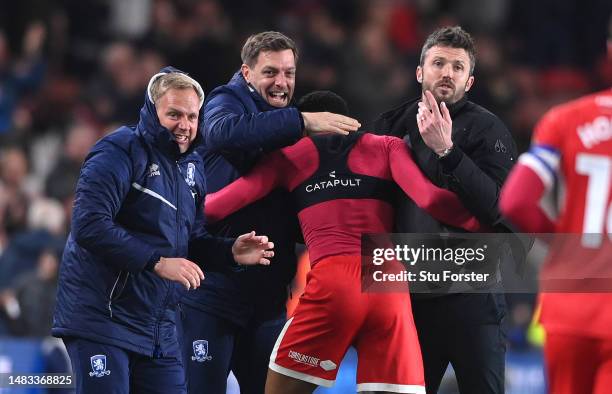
(71, 71)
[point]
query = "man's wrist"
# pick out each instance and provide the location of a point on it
(451, 160)
(302, 124)
(230, 243)
(445, 152)
(153, 261)
(304, 121)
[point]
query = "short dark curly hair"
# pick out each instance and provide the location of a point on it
(323, 101)
(454, 37)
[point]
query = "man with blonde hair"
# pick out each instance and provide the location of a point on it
(137, 219)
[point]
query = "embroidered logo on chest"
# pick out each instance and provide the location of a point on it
(154, 170)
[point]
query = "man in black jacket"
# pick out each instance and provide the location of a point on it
(462, 147)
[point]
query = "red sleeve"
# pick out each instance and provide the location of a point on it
(520, 201)
(441, 204)
(267, 175)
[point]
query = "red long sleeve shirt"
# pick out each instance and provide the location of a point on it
(334, 227)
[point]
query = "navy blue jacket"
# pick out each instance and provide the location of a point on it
(240, 127)
(137, 198)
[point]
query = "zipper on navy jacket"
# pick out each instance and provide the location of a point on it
(156, 344)
(178, 205)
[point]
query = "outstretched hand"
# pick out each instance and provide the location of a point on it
(326, 122)
(251, 249)
(435, 124)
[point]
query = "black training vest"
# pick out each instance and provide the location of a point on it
(333, 180)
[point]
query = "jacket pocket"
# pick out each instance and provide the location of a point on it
(117, 289)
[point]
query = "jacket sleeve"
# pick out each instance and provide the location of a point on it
(477, 178)
(528, 193)
(261, 180)
(440, 203)
(227, 125)
(101, 189)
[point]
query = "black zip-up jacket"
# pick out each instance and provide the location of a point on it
(483, 154)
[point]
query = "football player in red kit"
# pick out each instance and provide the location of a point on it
(563, 185)
(343, 187)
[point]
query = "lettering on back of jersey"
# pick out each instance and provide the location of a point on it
(599, 130)
(332, 183)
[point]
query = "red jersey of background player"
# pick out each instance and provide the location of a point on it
(334, 226)
(563, 184)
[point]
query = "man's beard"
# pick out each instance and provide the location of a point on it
(451, 98)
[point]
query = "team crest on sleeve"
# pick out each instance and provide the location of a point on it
(200, 351)
(190, 175)
(98, 366)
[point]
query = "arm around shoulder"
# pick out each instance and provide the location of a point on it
(229, 125)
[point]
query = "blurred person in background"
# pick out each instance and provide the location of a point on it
(321, 57)
(13, 194)
(61, 180)
(44, 229)
(462, 147)
(137, 215)
(563, 184)
(22, 74)
(372, 59)
(239, 312)
(30, 300)
(27, 271)
(116, 91)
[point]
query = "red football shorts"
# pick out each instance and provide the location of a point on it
(578, 364)
(334, 314)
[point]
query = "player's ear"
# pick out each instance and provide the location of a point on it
(469, 83)
(246, 72)
(419, 74)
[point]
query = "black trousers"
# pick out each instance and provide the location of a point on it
(466, 331)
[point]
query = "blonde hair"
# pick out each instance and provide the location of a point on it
(161, 83)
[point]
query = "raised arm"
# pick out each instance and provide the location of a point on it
(228, 126)
(476, 179)
(442, 204)
(267, 175)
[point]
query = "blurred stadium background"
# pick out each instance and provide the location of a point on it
(71, 71)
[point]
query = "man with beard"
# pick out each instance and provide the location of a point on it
(464, 148)
(238, 311)
(343, 187)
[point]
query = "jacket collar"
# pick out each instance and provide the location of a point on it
(151, 129)
(453, 109)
